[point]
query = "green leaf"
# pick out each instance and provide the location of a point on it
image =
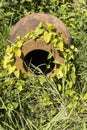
(40, 25)
(20, 88)
(19, 85)
(42, 80)
(15, 104)
(56, 62)
(47, 36)
(49, 26)
(19, 43)
(17, 73)
(7, 60)
(9, 50)
(48, 66)
(49, 55)
(17, 52)
(38, 32)
(10, 106)
(69, 84)
(70, 105)
(70, 92)
(11, 69)
(68, 54)
(85, 96)
(59, 73)
(75, 49)
(59, 46)
(72, 47)
(54, 41)
(59, 87)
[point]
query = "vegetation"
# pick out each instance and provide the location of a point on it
(37, 103)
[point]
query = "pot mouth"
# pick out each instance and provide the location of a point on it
(37, 60)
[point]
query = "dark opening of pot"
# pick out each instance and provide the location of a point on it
(38, 58)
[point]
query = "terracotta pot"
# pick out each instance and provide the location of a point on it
(36, 51)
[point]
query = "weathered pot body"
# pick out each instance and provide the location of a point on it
(29, 23)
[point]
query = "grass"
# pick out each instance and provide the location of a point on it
(38, 106)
